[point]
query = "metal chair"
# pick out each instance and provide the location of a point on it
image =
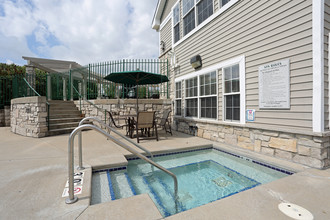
(164, 122)
(145, 121)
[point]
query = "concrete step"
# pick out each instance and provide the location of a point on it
(63, 111)
(60, 131)
(64, 115)
(63, 120)
(63, 125)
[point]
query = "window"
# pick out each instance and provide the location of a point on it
(231, 79)
(191, 97)
(223, 2)
(178, 98)
(188, 11)
(187, 5)
(204, 10)
(208, 95)
(202, 102)
(176, 22)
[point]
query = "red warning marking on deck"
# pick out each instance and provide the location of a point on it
(77, 190)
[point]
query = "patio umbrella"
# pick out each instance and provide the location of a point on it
(136, 78)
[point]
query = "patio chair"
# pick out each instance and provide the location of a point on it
(112, 122)
(164, 122)
(145, 121)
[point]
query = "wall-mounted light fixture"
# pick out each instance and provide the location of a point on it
(196, 61)
(162, 46)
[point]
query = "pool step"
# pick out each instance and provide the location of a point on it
(164, 194)
(121, 185)
(100, 189)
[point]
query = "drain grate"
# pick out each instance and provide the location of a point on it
(222, 182)
(294, 211)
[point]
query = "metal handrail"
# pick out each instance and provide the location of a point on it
(48, 105)
(98, 108)
(72, 199)
(80, 167)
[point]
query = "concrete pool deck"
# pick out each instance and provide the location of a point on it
(33, 173)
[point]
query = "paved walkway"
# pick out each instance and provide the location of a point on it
(33, 173)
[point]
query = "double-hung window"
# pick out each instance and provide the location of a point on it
(231, 78)
(178, 96)
(223, 2)
(176, 23)
(188, 11)
(191, 104)
(208, 95)
(204, 10)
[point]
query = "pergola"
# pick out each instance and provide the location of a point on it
(60, 67)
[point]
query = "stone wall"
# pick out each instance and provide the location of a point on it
(120, 107)
(28, 116)
(309, 150)
(5, 117)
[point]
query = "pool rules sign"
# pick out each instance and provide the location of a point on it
(274, 85)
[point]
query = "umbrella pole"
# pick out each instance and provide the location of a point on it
(137, 110)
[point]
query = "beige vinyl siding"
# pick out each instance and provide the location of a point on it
(326, 63)
(263, 31)
(167, 10)
(166, 35)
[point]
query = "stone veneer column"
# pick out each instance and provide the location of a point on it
(28, 116)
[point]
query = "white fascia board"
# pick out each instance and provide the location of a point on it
(158, 13)
(318, 65)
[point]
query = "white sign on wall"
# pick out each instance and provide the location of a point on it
(274, 85)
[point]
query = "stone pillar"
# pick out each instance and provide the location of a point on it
(7, 116)
(49, 87)
(99, 91)
(84, 87)
(30, 77)
(64, 89)
(79, 89)
(70, 86)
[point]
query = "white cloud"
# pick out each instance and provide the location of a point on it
(85, 31)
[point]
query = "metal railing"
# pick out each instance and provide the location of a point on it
(80, 167)
(72, 199)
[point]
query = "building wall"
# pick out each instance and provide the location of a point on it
(262, 32)
(166, 36)
(248, 28)
(326, 63)
(167, 9)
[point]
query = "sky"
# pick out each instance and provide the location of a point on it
(84, 31)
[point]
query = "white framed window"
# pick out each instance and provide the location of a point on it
(208, 95)
(188, 13)
(223, 2)
(178, 98)
(204, 10)
(205, 103)
(176, 22)
(195, 15)
(231, 93)
(191, 97)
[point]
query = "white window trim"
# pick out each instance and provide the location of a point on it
(318, 65)
(176, 98)
(198, 27)
(230, 93)
(236, 60)
(167, 19)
